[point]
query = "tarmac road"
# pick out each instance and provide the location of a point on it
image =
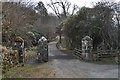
(67, 66)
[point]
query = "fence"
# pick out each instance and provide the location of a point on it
(96, 55)
(78, 53)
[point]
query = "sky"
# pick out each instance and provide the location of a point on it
(80, 3)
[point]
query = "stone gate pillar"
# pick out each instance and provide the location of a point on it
(87, 47)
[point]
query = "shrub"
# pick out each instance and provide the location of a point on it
(10, 58)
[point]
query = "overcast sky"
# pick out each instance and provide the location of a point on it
(80, 3)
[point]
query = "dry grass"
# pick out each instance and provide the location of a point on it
(30, 72)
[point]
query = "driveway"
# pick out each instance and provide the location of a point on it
(67, 66)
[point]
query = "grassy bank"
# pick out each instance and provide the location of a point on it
(30, 54)
(29, 71)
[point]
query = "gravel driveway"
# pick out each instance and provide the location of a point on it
(67, 66)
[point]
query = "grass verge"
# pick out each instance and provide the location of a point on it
(29, 71)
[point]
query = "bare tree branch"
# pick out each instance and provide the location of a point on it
(57, 5)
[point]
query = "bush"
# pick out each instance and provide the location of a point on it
(19, 39)
(10, 58)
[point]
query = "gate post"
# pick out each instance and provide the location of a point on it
(87, 48)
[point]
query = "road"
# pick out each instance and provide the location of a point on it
(67, 66)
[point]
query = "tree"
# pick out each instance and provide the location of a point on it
(95, 22)
(56, 6)
(15, 18)
(112, 31)
(116, 8)
(41, 9)
(74, 29)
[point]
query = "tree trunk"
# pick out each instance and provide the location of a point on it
(60, 35)
(118, 34)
